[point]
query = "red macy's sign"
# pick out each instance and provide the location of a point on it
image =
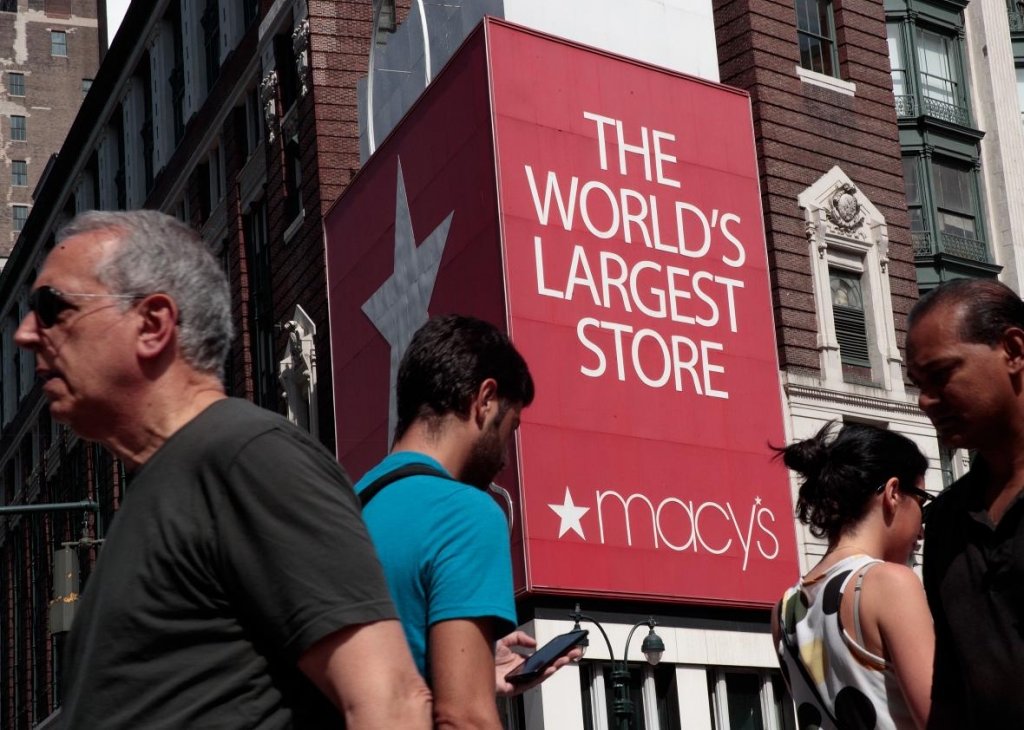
(608, 215)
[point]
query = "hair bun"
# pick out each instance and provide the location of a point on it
(807, 457)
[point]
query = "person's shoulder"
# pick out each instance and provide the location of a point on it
(239, 415)
(893, 578)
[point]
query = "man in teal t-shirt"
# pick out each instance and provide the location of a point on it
(444, 542)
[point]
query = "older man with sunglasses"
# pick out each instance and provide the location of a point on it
(237, 587)
(965, 351)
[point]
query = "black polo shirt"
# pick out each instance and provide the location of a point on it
(974, 577)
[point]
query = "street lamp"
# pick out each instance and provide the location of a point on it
(653, 647)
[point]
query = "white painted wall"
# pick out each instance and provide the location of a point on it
(676, 34)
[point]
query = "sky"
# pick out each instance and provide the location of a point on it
(115, 12)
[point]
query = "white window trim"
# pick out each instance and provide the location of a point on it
(860, 245)
(826, 82)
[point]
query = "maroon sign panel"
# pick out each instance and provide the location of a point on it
(607, 215)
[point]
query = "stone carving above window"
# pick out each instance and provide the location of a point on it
(844, 210)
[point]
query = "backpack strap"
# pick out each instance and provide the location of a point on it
(409, 470)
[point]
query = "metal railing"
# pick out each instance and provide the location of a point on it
(965, 248)
(922, 242)
(906, 106)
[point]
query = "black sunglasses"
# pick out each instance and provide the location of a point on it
(48, 303)
(914, 491)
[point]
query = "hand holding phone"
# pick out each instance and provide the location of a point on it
(544, 657)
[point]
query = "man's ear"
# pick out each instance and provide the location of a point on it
(158, 320)
(485, 402)
(1013, 346)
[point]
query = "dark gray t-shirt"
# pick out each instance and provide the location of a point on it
(239, 545)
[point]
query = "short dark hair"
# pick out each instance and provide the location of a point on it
(840, 474)
(447, 360)
(987, 308)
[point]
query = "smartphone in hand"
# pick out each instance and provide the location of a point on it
(544, 657)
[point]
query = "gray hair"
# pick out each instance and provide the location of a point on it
(158, 254)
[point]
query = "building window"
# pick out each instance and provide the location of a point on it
(254, 121)
(816, 35)
(848, 314)
(211, 42)
(264, 371)
(15, 84)
(177, 81)
(19, 214)
(287, 74)
(86, 85)
(937, 60)
(912, 184)
(9, 6)
(18, 128)
(58, 43)
(293, 177)
(954, 200)
(1020, 89)
(652, 691)
(901, 88)
(19, 173)
(250, 10)
(749, 698)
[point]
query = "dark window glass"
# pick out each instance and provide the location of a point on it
(211, 42)
(816, 36)
(264, 375)
(19, 173)
(86, 85)
(287, 75)
(15, 84)
(250, 10)
(293, 178)
(19, 214)
(18, 128)
(9, 6)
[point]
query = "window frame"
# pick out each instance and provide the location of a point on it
(949, 58)
(16, 220)
(19, 133)
(820, 37)
(11, 76)
(62, 37)
(19, 173)
(850, 322)
(771, 707)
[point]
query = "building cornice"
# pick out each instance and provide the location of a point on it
(797, 391)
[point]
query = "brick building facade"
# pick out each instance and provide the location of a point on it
(238, 117)
(50, 54)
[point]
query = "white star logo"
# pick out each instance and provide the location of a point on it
(570, 515)
(399, 307)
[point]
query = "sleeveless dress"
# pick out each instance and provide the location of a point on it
(860, 688)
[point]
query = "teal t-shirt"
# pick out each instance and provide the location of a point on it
(445, 550)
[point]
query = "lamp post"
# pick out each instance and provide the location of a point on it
(653, 647)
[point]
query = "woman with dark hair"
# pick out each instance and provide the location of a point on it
(854, 636)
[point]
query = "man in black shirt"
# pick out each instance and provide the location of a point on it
(965, 350)
(237, 587)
